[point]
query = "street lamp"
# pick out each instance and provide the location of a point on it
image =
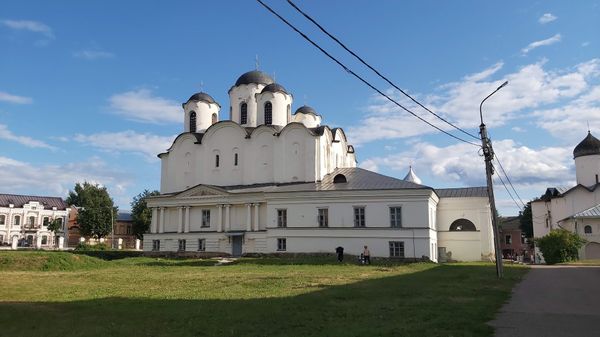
(488, 153)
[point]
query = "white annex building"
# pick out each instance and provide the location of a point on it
(575, 208)
(266, 180)
(26, 218)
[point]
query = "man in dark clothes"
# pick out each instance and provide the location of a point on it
(340, 253)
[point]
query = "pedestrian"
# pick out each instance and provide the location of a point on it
(366, 255)
(340, 253)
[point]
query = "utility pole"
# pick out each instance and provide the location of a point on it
(488, 153)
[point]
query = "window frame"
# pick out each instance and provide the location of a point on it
(3, 220)
(236, 158)
(155, 245)
(323, 219)
(17, 220)
(244, 113)
(282, 218)
(508, 239)
(360, 220)
(201, 245)
(207, 218)
(46, 221)
(181, 245)
(585, 229)
(281, 244)
(268, 113)
(396, 249)
(193, 118)
(217, 160)
(395, 218)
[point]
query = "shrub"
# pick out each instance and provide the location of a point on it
(560, 245)
(88, 247)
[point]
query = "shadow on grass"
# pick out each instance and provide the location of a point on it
(316, 260)
(445, 300)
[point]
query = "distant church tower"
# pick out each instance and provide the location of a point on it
(412, 177)
(587, 160)
(201, 111)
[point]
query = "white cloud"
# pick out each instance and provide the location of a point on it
(536, 44)
(93, 54)
(145, 144)
(6, 134)
(141, 106)
(517, 129)
(31, 26)
(6, 97)
(585, 44)
(546, 18)
(369, 165)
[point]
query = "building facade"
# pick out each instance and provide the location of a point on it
(267, 181)
(513, 242)
(575, 208)
(26, 218)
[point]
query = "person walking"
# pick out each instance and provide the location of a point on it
(366, 255)
(340, 253)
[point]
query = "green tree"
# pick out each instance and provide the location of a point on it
(55, 226)
(95, 206)
(560, 245)
(526, 221)
(141, 214)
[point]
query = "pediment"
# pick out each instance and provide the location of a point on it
(203, 191)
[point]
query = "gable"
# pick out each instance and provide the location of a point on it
(203, 191)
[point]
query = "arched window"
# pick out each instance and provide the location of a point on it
(462, 225)
(587, 229)
(244, 113)
(340, 178)
(46, 221)
(193, 121)
(268, 113)
(217, 160)
(17, 220)
(31, 220)
(2, 219)
(235, 159)
(214, 118)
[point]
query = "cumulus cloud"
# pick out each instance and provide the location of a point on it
(10, 98)
(31, 26)
(6, 134)
(546, 18)
(93, 54)
(145, 144)
(536, 44)
(369, 164)
(140, 105)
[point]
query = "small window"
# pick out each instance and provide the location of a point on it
(340, 178)
(193, 121)
(395, 217)
(206, 218)
(129, 230)
(281, 245)
(235, 159)
(2, 219)
(396, 249)
(508, 239)
(244, 113)
(462, 225)
(217, 160)
(44, 240)
(587, 229)
(359, 217)
(181, 247)
(201, 245)
(17, 220)
(282, 218)
(268, 113)
(323, 217)
(46, 221)
(156, 245)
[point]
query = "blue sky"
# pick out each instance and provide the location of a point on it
(92, 90)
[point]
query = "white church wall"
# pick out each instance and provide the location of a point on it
(206, 114)
(279, 102)
(587, 170)
(463, 246)
(245, 93)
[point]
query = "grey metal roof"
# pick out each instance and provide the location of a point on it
(463, 192)
(509, 222)
(254, 76)
(202, 96)
(305, 109)
(124, 216)
(20, 200)
(274, 87)
(592, 212)
(590, 145)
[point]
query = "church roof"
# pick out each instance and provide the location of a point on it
(274, 87)
(590, 145)
(592, 212)
(19, 200)
(305, 109)
(412, 176)
(462, 192)
(202, 96)
(254, 76)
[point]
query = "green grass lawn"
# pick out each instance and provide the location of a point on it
(84, 296)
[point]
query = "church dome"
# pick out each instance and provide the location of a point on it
(274, 87)
(412, 177)
(254, 76)
(305, 109)
(202, 96)
(590, 145)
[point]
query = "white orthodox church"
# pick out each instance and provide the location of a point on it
(266, 180)
(575, 208)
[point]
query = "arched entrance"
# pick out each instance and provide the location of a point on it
(592, 250)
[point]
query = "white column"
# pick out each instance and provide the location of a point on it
(154, 221)
(219, 218)
(179, 219)
(256, 227)
(249, 217)
(137, 244)
(227, 211)
(61, 242)
(14, 243)
(161, 223)
(187, 219)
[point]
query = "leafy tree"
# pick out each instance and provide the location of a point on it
(560, 245)
(526, 220)
(141, 214)
(55, 226)
(95, 205)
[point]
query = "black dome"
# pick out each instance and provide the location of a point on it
(590, 145)
(305, 109)
(274, 87)
(202, 96)
(254, 76)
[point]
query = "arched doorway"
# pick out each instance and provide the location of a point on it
(592, 250)
(462, 225)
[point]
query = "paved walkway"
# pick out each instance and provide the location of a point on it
(553, 301)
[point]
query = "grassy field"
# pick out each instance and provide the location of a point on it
(61, 294)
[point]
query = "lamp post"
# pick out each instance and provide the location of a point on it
(488, 153)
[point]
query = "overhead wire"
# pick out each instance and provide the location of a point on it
(508, 179)
(350, 71)
(507, 190)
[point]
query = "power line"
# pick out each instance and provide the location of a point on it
(348, 70)
(507, 190)
(375, 70)
(508, 179)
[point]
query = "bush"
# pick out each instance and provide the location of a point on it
(88, 247)
(560, 245)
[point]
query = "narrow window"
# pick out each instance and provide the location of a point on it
(395, 217)
(587, 229)
(46, 221)
(31, 220)
(323, 217)
(244, 113)
(596, 178)
(508, 239)
(2, 219)
(181, 247)
(156, 245)
(129, 230)
(396, 248)
(282, 218)
(44, 240)
(193, 121)
(17, 220)
(214, 118)
(206, 218)
(235, 159)
(359, 217)
(201, 245)
(281, 245)
(217, 160)
(268, 113)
